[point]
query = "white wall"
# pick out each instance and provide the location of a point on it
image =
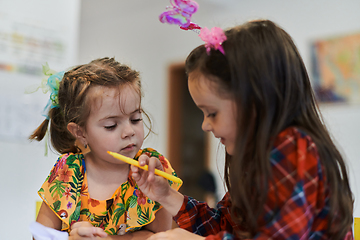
(138, 38)
(23, 165)
(130, 31)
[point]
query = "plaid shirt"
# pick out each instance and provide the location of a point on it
(299, 186)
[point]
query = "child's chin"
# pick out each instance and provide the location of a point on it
(229, 151)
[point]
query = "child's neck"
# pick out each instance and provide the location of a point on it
(103, 179)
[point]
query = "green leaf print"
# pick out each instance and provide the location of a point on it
(119, 211)
(96, 218)
(108, 214)
(111, 231)
(57, 188)
(70, 159)
(77, 180)
(156, 206)
(133, 201)
(85, 212)
(74, 182)
(73, 186)
(138, 210)
(57, 205)
(128, 202)
(155, 154)
(76, 215)
(144, 217)
(124, 188)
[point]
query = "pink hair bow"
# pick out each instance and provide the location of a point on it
(213, 38)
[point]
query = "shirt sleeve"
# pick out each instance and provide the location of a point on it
(297, 203)
(164, 162)
(199, 218)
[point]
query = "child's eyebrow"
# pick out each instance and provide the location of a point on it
(201, 106)
(205, 107)
(108, 117)
(136, 111)
(116, 116)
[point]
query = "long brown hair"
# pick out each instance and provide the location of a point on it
(264, 73)
(73, 103)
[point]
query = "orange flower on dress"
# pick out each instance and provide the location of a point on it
(67, 193)
(141, 197)
(93, 202)
(84, 190)
(164, 163)
(64, 174)
(62, 161)
(130, 179)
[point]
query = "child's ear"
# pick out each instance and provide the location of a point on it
(77, 132)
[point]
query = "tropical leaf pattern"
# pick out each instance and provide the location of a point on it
(65, 192)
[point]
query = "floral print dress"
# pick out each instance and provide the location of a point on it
(65, 191)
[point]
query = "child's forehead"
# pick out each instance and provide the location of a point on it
(96, 92)
(209, 83)
(119, 95)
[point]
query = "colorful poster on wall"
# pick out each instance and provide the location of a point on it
(336, 69)
(32, 33)
(37, 32)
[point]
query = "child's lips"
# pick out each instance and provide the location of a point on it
(128, 147)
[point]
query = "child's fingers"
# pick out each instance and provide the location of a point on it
(81, 224)
(139, 175)
(81, 232)
(99, 232)
(87, 232)
(135, 173)
(143, 160)
(154, 163)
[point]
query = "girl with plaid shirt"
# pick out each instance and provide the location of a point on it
(285, 177)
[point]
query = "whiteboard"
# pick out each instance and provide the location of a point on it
(32, 33)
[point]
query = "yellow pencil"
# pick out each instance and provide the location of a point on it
(136, 163)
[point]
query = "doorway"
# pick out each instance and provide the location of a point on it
(187, 142)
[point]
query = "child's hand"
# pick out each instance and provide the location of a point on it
(84, 230)
(175, 234)
(153, 186)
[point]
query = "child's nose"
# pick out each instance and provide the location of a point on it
(128, 131)
(206, 126)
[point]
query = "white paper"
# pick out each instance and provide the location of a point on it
(40, 232)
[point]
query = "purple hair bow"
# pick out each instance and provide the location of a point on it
(180, 14)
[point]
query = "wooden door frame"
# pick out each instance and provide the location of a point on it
(175, 97)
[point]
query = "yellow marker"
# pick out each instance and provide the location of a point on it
(136, 163)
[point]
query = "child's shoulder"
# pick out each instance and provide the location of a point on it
(72, 159)
(292, 142)
(293, 134)
(295, 151)
(148, 151)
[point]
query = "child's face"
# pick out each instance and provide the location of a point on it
(115, 123)
(219, 113)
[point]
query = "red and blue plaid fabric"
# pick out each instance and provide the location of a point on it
(297, 203)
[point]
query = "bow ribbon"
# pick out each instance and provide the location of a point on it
(213, 38)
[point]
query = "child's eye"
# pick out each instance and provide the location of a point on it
(211, 115)
(136, 120)
(110, 127)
